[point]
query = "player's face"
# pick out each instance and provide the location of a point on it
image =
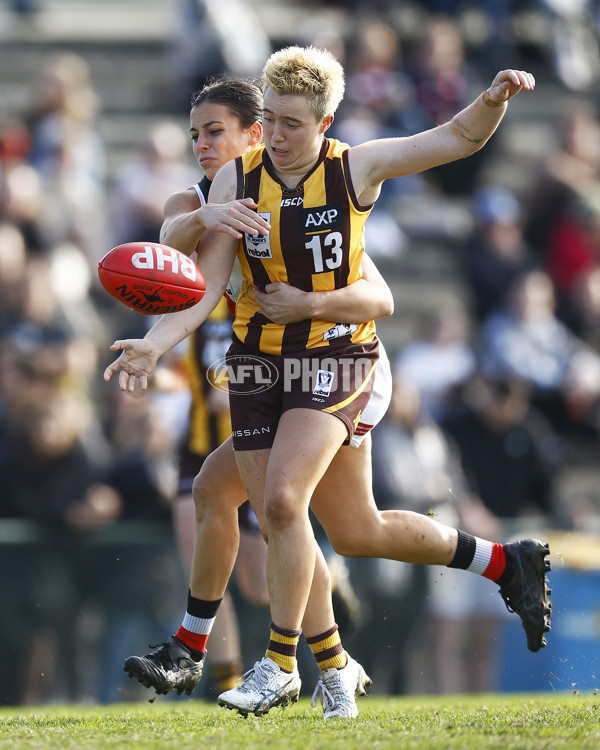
(218, 136)
(292, 135)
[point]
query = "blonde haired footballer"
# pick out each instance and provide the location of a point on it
(321, 242)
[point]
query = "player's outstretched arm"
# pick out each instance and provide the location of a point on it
(468, 131)
(368, 298)
(139, 356)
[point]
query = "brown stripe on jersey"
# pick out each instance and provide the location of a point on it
(336, 193)
(239, 168)
(254, 330)
(260, 277)
(295, 335)
(350, 185)
(206, 431)
(251, 187)
(251, 190)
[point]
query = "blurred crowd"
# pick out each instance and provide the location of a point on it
(497, 389)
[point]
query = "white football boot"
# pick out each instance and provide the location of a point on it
(337, 690)
(264, 686)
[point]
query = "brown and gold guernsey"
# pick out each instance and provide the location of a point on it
(316, 243)
(209, 343)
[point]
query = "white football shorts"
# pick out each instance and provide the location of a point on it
(379, 401)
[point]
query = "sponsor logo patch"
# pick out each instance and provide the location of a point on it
(321, 218)
(259, 245)
(339, 330)
(324, 383)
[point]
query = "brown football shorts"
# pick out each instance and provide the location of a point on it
(335, 380)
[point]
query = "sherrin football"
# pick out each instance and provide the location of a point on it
(151, 278)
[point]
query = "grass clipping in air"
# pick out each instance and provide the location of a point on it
(526, 721)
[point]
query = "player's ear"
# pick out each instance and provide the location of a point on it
(255, 133)
(326, 123)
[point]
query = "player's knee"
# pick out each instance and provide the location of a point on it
(347, 541)
(344, 547)
(205, 491)
(281, 507)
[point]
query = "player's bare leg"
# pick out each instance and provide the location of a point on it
(218, 493)
(178, 663)
(519, 568)
(285, 476)
(362, 530)
(225, 655)
(251, 568)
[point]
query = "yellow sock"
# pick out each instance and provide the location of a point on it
(328, 650)
(282, 647)
(225, 676)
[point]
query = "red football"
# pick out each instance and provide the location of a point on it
(151, 278)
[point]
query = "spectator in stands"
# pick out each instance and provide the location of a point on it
(495, 253)
(573, 36)
(509, 452)
(212, 37)
(526, 341)
(443, 83)
(68, 154)
(439, 358)
(562, 204)
(376, 80)
(50, 475)
(13, 264)
(21, 203)
(584, 319)
(143, 184)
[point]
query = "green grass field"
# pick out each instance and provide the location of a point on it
(511, 722)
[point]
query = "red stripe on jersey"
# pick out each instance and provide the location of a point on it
(362, 428)
(497, 563)
(197, 641)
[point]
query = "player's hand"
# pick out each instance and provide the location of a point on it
(136, 363)
(234, 218)
(283, 303)
(508, 83)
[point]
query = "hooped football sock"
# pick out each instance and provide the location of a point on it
(328, 650)
(485, 558)
(283, 646)
(197, 624)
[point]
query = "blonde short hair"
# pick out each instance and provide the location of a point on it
(310, 72)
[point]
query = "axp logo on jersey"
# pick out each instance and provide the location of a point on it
(259, 245)
(321, 218)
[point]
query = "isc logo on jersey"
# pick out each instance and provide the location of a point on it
(259, 245)
(296, 201)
